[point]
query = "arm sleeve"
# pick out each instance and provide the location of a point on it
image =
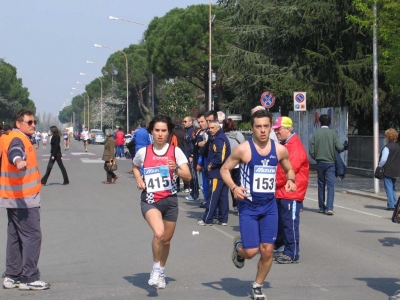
(180, 157)
(16, 150)
(139, 157)
(219, 149)
(384, 157)
(312, 147)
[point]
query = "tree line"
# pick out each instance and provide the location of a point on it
(13, 95)
(321, 47)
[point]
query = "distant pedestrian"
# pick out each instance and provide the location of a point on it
(20, 195)
(65, 139)
(55, 155)
(44, 138)
(109, 156)
(389, 160)
(119, 142)
(37, 138)
(323, 144)
(85, 138)
(162, 163)
(93, 137)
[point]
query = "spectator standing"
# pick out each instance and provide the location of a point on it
(119, 142)
(93, 137)
(109, 156)
(323, 144)
(20, 195)
(177, 140)
(188, 150)
(258, 213)
(235, 138)
(218, 151)
(389, 160)
(55, 155)
(290, 203)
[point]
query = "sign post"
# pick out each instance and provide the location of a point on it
(267, 100)
(299, 104)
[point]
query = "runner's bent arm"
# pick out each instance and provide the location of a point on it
(230, 163)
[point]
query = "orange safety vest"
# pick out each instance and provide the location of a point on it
(15, 183)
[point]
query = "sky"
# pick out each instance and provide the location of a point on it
(49, 41)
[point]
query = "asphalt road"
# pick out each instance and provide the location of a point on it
(96, 245)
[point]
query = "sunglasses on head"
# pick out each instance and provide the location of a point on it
(30, 122)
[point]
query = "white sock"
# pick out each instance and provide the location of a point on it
(156, 265)
(256, 285)
(162, 270)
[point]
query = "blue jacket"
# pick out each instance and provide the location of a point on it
(219, 150)
(340, 167)
(141, 138)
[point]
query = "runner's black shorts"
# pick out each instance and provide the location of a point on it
(167, 206)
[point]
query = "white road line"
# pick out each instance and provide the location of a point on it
(355, 210)
(91, 161)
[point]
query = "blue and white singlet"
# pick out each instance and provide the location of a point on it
(259, 174)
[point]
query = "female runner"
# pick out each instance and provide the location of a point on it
(162, 165)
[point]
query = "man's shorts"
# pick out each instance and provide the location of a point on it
(258, 222)
(167, 206)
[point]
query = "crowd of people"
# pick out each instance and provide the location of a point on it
(266, 175)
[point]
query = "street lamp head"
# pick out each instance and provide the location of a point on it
(89, 62)
(82, 74)
(98, 46)
(72, 93)
(74, 88)
(112, 18)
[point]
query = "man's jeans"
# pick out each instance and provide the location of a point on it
(120, 151)
(390, 191)
(326, 177)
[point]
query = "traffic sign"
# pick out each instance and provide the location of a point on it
(267, 99)
(300, 101)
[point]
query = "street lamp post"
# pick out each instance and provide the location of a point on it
(209, 61)
(152, 75)
(127, 81)
(88, 105)
(101, 97)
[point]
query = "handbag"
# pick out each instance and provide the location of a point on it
(112, 166)
(396, 213)
(379, 172)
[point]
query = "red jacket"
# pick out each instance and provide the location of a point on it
(119, 138)
(299, 160)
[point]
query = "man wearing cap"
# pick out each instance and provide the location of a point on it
(290, 203)
(323, 144)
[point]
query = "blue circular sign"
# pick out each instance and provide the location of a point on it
(267, 99)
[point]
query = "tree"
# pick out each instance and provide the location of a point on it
(178, 99)
(178, 45)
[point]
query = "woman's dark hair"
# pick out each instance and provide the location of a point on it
(162, 119)
(228, 125)
(54, 130)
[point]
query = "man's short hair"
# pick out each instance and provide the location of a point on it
(261, 114)
(257, 108)
(189, 118)
(325, 120)
(216, 122)
(177, 121)
(221, 116)
(211, 112)
(19, 115)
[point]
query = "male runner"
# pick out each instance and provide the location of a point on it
(258, 213)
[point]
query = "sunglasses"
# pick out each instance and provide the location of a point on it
(30, 122)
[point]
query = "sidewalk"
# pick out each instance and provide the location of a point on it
(355, 185)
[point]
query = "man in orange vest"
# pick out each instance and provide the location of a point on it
(20, 194)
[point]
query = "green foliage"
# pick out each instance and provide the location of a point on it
(178, 44)
(178, 99)
(13, 96)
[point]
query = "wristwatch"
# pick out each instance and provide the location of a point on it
(292, 180)
(176, 169)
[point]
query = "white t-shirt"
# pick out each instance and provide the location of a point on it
(179, 155)
(37, 135)
(85, 135)
(44, 135)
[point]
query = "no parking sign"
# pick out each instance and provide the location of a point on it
(299, 101)
(267, 99)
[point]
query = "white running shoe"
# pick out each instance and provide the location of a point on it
(161, 281)
(34, 286)
(154, 277)
(258, 293)
(10, 283)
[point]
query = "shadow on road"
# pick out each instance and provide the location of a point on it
(234, 286)
(389, 241)
(387, 286)
(140, 280)
(381, 207)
